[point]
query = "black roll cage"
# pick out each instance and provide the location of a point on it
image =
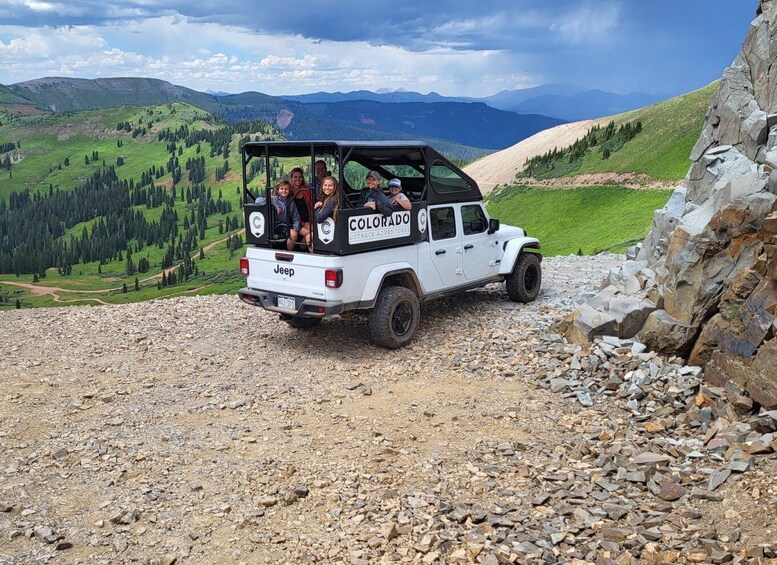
(451, 185)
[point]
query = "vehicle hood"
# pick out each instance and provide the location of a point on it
(509, 232)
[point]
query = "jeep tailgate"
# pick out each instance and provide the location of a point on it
(296, 274)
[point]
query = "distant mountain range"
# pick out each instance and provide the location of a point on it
(469, 129)
(562, 101)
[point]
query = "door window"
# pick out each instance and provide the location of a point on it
(473, 219)
(443, 223)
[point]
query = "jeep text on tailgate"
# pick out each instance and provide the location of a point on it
(373, 228)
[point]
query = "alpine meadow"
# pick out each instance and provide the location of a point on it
(127, 203)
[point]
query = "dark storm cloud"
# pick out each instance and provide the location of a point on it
(456, 24)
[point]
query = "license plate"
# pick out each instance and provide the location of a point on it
(287, 302)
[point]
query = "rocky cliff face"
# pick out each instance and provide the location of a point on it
(704, 283)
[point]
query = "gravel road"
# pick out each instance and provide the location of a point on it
(203, 430)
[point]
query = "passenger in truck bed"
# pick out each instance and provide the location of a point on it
(328, 204)
(302, 199)
(286, 217)
(321, 172)
(398, 199)
(373, 196)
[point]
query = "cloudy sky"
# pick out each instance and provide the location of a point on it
(455, 47)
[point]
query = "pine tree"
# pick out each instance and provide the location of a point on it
(124, 288)
(137, 284)
(129, 269)
(18, 304)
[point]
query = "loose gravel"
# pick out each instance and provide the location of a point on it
(204, 430)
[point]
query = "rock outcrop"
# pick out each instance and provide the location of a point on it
(704, 282)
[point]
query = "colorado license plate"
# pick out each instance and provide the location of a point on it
(287, 302)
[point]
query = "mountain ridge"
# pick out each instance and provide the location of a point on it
(477, 129)
(563, 101)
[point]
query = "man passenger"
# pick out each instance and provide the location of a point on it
(320, 172)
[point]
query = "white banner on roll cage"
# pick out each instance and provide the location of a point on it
(376, 227)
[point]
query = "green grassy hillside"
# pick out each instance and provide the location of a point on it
(590, 219)
(649, 145)
(593, 219)
(55, 155)
(662, 149)
(48, 142)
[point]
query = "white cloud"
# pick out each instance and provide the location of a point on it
(39, 45)
(208, 56)
(278, 62)
(592, 22)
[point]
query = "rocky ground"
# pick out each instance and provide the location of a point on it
(203, 430)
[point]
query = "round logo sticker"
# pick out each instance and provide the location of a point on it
(422, 220)
(326, 230)
(256, 224)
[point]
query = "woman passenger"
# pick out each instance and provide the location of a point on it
(302, 199)
(328, 205)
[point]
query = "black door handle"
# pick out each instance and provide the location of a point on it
(439, 252)
(468, 246)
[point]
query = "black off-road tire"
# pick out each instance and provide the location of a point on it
(523, 284)
(394, 320)
(303, 323)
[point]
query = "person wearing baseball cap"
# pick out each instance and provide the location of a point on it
(373, 197)
(399, 201)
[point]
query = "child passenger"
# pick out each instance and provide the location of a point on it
(286, 214)
(398, 199)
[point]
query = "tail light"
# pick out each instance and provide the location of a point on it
(244, 267)
(333, 278)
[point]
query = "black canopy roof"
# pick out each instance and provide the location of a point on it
(444, 181)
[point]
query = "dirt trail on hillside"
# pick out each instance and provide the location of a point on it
(194, 254)
(501, 167)
(53, 290)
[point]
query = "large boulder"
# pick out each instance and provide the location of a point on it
(704, 284)
(755, 376)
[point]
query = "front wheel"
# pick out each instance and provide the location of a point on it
(394, 320)
(302, 323)
(523, 284)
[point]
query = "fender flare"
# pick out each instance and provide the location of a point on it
(379, 274)
(513, 250)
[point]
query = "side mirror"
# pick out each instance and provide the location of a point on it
(493, 226)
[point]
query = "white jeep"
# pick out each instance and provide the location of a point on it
(366, 262)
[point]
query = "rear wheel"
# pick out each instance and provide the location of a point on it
(523, 284)
(302, 323)
(394, 320)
